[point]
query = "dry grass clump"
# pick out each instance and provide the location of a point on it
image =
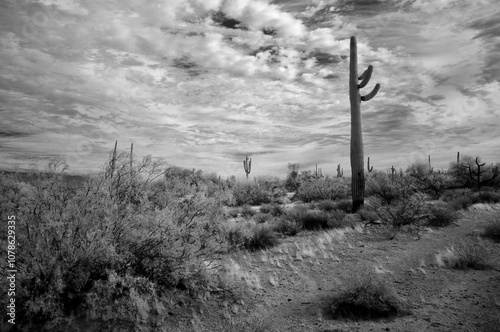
(470, 255)
(367, 298)
(263, 237)
(492, 229)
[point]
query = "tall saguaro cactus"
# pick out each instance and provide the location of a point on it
(247, 165)
(357, 158)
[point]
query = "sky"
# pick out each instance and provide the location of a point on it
(204, 83)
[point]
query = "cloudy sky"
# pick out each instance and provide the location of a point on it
(203, 83)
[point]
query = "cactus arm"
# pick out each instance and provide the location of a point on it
(365, 77)
(371, 94)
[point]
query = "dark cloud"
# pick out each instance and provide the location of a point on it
(6, 133)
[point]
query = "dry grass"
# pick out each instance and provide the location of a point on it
(469, 255)
(367, 297)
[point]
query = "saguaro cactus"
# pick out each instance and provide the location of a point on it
(370, 169)
(112, 162)
(357, 158)
(247, 165)
(340, 172)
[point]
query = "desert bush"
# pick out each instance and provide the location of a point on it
(441, 214)
(492, 228)
(233, 212)
(274, 209)
(344, 205)
(337, 219)
(469, 255)
(486, 197)
(458, 199)
(366, 298)
(247, 211)
(388, 188)
(314, 220)
(262, 237)
(261, 218)
(286, 226)
(314, 189)
(251, 193)
(367, 215)
(326, 205)
(77, 236)
(409, 212)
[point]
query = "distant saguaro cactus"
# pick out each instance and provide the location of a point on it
(340, 172)
(370, 169)
(247, 165)
(112, 162)
(357, 158)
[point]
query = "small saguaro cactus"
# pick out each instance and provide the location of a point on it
(393, 170)
(112, 162)
(370, 169)
(430, 167)
(247, 165)
(357, 161)
(340, 172)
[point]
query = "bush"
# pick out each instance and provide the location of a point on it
(367, 298)
(314, 189)
(263, 237)
(469, 255)
(287, 227)
(344, 205)
(441, 214)
(247, 211)
(492, 229)
(367, 215)
(261, 218)
(314, 220)
(388, 188)
(80, 235)
(274, 209)
(251, 193)
(337, 219)
(486, 197)
(326, 205)
(233, 212)
(408, 212)
(458, 199)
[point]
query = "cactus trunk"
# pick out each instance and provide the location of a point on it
(357, 158)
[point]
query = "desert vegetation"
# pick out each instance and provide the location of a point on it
(100, 247)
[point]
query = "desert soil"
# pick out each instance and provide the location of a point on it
(290, 287)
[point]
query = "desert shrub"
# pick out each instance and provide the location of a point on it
(274, 209)
(343, 205)
(492, 228)
(336, 219)
(287, 227)
(469, 255)
(78, 235)
(314, 189)
(409, 212)
(441, 214)
(247, 211)
(458, 199)
(233, 212)
(486, 197)
(237, 238)
(388, 188)
(326, 205)
(367, 215)
(261, 218)
(262, 237)
(366, 298)
(314, 220)
(251, 193)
